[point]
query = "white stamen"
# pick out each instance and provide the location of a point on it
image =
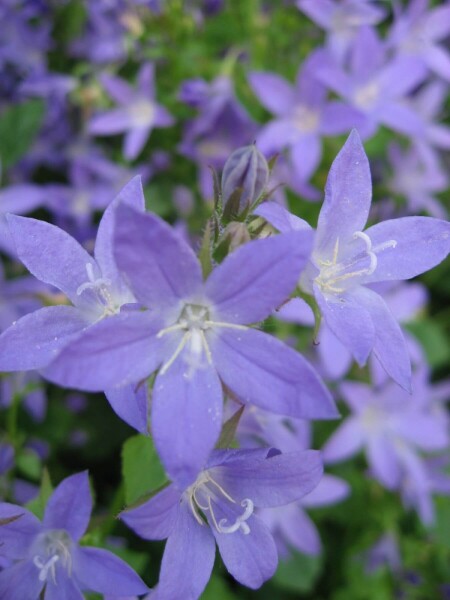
(240, 521)
(44, 568)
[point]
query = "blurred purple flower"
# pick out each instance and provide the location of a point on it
(137, 114)
(385, 552)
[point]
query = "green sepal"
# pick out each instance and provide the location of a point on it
(229, 430)
(38, 504)
(141, 468)
(204, 255)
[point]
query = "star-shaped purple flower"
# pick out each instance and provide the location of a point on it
(47, 556)
(198, 336)
(345, 259)
(219, 507)
(137, 114)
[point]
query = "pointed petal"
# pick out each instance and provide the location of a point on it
(188, 559)
(116, 351)
(117, 88)
(306, 154)
(156, 518)
(438, 60)
(400, 117)
(64, 587)
(335, 357)
(146, 79)
(402, 75)
(130, 403)
(21, 198)
(275, 136)
(186, 418)
(417, 244)
(160, 267)
(349, 320)
(70, 506)
(330, 490)
(390, 346)
(261, 370)
(345, 442)
(134, 141)
(35, 339)
(280, 218)
(20, 581)
(18, 535)
(348, 194)
(50, 254)
(252, 558)
(383, 461)
(104, 572)
(257, 277)
(301, 532)
(111, 122)
(131, 195)
(273, 481)
(274, 92)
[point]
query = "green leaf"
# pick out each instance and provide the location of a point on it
(141, 469)
(229, 429)
(433, 340)
(299, 573)
(19, 126)
(37, 506)
(217, 590)
(29, 464)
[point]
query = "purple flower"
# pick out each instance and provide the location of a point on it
(137, 114)
(303, 116)
(92, 284)
(376, 86)
(345, 259)
(341, 20)
(384, 552)
(197, 335)
(219, 507)
(47, 556)
(418, 32)
(221, 126)
(392, 426)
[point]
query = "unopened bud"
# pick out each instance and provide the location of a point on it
(244, 178)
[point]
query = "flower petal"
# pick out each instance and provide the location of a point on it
(274, 92)
(51, 254)
(130, 403)
(280, 218)
(330, 490)
(18, 535)
(134, 141)
(383, 461)
(156, 518)
(416, 244)
(35, 339)
(104, 572)
(257, 277)
(186, 418)
(345, 442)
(20, 581)
(261, 370)
(111, 122)
(70, 506)
(114, 352)
(63, 588)
(160, 267)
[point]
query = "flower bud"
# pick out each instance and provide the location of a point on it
(244, 178)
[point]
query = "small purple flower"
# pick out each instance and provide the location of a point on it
(137, 114)
(345, 259)
(219, 506)
(47, 556)
(303, 115)
(197, 335)
(376, 85)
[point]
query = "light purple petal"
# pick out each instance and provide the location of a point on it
(276, 135)
(348, 194)
(104, 572)
(163, 118)
(390, 346)
(186, 418)
(156, 518)
(408, 246)
(401, 76)
(116, 351)
(400, 117)
(306, 154)
(51, 255)
(188, 559)
(319, 11)
(130, 403)
(70, 506)
(280, 218)
(438, 60)
(20, 581)
(336, 358)
(427, 432)
(338, 118)
(345, 442)
(112, 122)
(252, 558)
(21, 198)
(117, 88)
(300, 531)
(349, 320)
(159, 265)
(273, 481)
(438, 22)
(131, 195)
(63, 588)
(383, 461)
(18, 535)
(35, 339)
(261, 370)
(330, 490)
(134, 141)
(274, 92)
(257, 277)
(146, 79)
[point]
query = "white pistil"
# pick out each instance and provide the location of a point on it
(44, 568)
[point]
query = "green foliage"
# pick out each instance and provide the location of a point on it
(37, 506)
(19, 125)
(141, 469)
(299, 573)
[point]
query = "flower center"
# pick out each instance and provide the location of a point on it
(366, 96)
(206, 495)
(142, 113)
(100, 286)
(305, 119)
(194, 321)
(53, 547)
(336, 275)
